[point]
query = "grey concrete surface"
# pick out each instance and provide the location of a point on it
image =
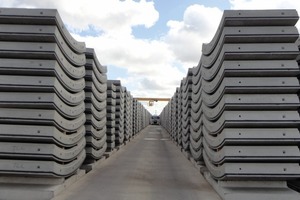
(150, 167)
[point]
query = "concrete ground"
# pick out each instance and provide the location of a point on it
(150, 167)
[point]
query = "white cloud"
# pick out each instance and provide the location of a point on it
(186, 37)
(112, 16)
(147, 61)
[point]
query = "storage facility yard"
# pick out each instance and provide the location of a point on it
(230, 131)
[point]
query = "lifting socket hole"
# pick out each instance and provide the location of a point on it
(283, 152)
(283, 116)
(283, 134)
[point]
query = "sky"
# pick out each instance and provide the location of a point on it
(147, 44)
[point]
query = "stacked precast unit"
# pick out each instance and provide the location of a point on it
(141, 117)
(111, 115)
(245, 107)
(119, 115)
(249, 97)
(128, 115)
(95, 103)
(41, 95)
(134, 117)
(186, 98)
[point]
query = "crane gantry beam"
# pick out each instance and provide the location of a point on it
(151, 99)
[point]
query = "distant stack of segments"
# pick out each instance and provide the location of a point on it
(186, 110)
(143, 117)
(95, 104)
(120, 98)
(135, 117)
(140, 114)
(179, 112)
(128, 115)
(41, 95)
(173, 118)
(196, 135)
(146, 118)
(165, 117)
(178, 134)
(111, 115)
(248, 79)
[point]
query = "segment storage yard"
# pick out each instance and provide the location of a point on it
(231, 130)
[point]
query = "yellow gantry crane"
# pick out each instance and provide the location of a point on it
(151, 100)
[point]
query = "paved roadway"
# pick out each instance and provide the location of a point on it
(150, 167)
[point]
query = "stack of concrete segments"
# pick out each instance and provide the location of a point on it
(174, 117)
(249, 97)
(138, 117)
(111, 115)
(295, 184)
(135, 117)
(166, 118)
(95, 104)
(196, 136)
(177, 134)
(179, 113)
(245, 104)
(41, 95)
(120, 98)
(146, 117)
(128, 115)
(186, 111)
(170, 118)
(143, 117)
